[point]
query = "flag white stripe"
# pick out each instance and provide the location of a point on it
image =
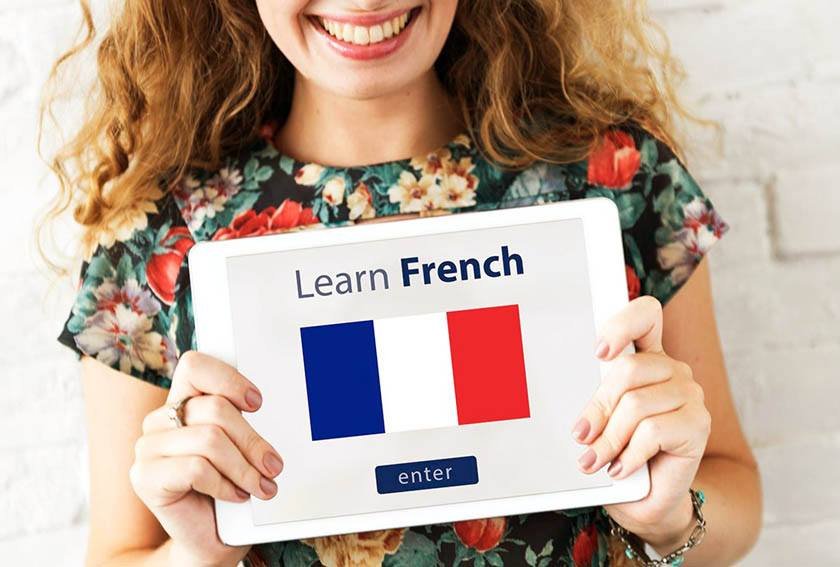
(415, 372)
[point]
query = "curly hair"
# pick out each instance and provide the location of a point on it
(181, 84)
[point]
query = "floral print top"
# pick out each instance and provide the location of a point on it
(133, 311)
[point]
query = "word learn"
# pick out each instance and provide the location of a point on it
(413, 272)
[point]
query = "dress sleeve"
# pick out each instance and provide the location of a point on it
(668, 224)
(133, 309)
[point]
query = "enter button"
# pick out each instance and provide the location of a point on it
(423, 475)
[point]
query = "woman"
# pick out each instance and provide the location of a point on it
(230, 118)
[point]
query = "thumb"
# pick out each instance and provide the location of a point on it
(639, 323)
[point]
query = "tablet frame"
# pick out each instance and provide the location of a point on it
(214, 336)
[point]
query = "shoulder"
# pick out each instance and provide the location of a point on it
(667, 220)
(668, 223)
(132, 306)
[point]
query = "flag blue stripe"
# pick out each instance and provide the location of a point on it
(342, 380)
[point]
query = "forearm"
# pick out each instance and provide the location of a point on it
(165, 554)
(732, 511)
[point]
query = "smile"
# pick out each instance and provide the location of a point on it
(366, 37)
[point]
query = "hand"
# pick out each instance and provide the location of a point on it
(217, 454)
(648, 408)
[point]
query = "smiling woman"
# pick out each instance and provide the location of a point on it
(233, 118)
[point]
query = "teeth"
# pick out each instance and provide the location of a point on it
(363, 35)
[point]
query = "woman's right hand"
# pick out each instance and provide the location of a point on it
(217, 454)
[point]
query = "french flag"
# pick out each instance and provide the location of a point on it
(414, 372)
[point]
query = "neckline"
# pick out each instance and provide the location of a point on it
(462, 138)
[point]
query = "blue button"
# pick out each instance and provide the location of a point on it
(423, 475)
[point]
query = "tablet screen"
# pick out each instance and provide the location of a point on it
(417, 371)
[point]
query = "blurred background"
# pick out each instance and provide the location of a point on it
(767, 70)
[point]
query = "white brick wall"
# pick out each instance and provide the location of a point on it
(769, 70)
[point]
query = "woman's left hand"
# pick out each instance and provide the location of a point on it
(648, 408)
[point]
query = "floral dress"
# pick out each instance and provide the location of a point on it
(133, 311)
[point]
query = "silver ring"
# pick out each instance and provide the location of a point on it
(175, 412)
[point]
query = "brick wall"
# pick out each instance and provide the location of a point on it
(769, 70)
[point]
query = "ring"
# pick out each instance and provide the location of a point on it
(175, 412)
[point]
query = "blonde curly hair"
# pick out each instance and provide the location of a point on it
(181, 84)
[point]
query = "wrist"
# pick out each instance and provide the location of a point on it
(673, 530)
(183, 557)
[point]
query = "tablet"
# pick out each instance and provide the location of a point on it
(417, 372)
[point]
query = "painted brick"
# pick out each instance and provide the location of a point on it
(806, 544)
(806, 201)
(783, 393)
(766, 69)
(800, 480)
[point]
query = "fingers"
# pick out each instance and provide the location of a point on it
(198, 373)
(160, 482)
(627, 373)
(211, 410)
(212, 444)
(632, 408)
(684, 432)
(640, 322)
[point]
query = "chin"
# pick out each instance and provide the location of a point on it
(362, 86)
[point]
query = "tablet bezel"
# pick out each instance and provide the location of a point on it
(214, 336)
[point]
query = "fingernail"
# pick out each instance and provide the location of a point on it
(268, 487)
(253, 398)
(602, 348)
(581, 429)
(241, 493)
(587, 459)
(614, 468)
(273, 463)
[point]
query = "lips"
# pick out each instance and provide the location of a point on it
(363, 37)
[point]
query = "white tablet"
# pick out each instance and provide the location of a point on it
(417, 372)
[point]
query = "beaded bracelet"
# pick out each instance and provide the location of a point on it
(676, 557)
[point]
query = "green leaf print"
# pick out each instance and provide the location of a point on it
(287, 164)
(530, 556)
(100, 267)
(76, 324)
(659, 284)
(239, 203)
(461, 553)
(263, 174)
(524, 189)
(416, 550)
(86, 303)
(251, 168)
(634, 254)
(548, 548)
(125, 270)
(630, 208)
(388, 174)
(297, 554)
(650, 152)
(494, 559)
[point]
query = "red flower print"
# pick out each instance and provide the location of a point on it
(615, 161)
(271, 220)
(481, 535)
(586, 543)
(634, 286)
(165, 263)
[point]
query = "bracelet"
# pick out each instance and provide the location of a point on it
(635, 552)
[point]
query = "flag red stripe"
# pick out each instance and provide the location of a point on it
(487, 364)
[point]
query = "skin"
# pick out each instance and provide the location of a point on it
(152, 484)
